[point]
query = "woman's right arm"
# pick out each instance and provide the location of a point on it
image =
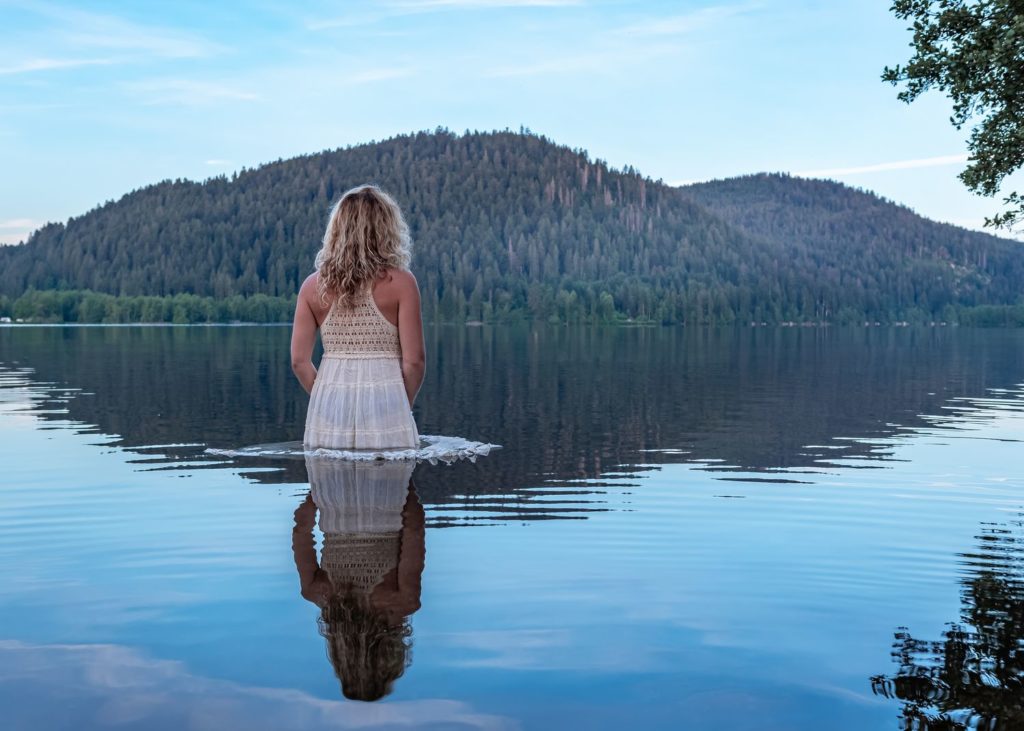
(304, 335)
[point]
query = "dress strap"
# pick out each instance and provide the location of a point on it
(372, 304)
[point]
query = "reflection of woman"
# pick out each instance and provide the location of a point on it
(367, 582)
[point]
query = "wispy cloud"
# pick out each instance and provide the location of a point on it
(925, 162)
(48, 64)
(410, 7)
(119, 39)
(20, 223)
(187, 92)
(617, 47)
(344, 21)
(445, 4)
(684, 23)
(371, 75)
(138, 39)
(120, 686)
(217, 162)
(610, 57)
(978, 224)
(543, 650)
(561, 65)
(16, 230)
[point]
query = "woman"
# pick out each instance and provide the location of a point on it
(366, 304)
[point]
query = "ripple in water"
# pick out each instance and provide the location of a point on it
(432, 449)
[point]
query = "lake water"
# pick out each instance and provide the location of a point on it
(724, 529)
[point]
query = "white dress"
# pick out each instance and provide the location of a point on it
(358, 399)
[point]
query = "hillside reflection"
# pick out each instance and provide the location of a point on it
(568, 404)
(973, 677)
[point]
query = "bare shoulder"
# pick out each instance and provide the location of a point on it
(308, 288)
(308, 291)
(309, 295)
(403, 280)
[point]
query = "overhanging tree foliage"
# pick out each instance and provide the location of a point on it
(973, 51)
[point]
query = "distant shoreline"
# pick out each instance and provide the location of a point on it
(520, 323)
(14, 325)
(86, 307)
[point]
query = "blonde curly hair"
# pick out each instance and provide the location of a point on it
(366, 234)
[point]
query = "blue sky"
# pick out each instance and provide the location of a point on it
(98, 98)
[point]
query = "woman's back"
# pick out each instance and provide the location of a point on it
(360, 331)
(359, 400)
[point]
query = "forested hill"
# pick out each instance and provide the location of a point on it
(865, 248)
(509, 225)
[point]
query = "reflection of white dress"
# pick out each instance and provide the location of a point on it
(358, 399)
(360, 505)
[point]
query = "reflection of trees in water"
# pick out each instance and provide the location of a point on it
(973, 678)
(567, 402)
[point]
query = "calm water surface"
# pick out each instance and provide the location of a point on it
(727, 529)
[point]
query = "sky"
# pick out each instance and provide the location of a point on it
(100, 98)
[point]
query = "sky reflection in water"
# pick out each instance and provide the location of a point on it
(731, 529)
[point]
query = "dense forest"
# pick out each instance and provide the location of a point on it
(510, 226)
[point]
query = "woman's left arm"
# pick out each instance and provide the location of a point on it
(410, 335)
(304, 329)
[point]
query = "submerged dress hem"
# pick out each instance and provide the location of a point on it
(360, 403)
